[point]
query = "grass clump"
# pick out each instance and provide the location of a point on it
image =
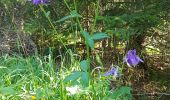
(36, 78)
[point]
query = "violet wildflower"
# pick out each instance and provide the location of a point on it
(36, 2)
(114, 71)
(131, 58)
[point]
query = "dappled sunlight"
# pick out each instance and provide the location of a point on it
(84, 50)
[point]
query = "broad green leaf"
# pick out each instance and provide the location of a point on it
(90, 42)
(85, 79)
(73, 76)
(83, 65)
(85, 34)
(7, 91)
(88, 39)
(121, 92)
(97, 36)
(72, 15)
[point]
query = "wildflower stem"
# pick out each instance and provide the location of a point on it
(61, 78)
(67, 5)
(91, 82)
(42, 8)
(96, 15)
(88, 56)
(48, 18)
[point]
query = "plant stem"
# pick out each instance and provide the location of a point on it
(91, 82)
(67, 5)
(96, 15)
(61, 78)
(89, 71)
(42, 8)
(49, 19)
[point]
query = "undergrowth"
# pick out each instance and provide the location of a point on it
(37, 78)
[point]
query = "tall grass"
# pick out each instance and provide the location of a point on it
(36, 78)
(41, 78)
(24, 78)
(33, 77)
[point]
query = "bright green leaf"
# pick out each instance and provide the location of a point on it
(90, 42)
(7, 90)
(85, 34)
(72, 15)
(121, 92)
(88, 39)
(2, 67)
(73, 76)
(83, 65)
(85, 79)
(99, 36)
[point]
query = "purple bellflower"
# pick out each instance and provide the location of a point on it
(114, 71)
(131, 58)
(36, 2)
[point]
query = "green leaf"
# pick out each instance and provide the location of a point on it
(85, 34)
(97, 36)
(90, 42)
(72, 15)
(88, 39)
(98, 59)
(75, 14)
(85, 79)
(1, 67)
(122, 92)
(47, 13)
(7, 91)
(83, 65)
(73, 76)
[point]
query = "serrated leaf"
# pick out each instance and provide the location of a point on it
(83, 65)
(72, 15)
(73, 76)
(85, 79)
(97, 36)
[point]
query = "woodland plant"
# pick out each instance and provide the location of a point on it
(84, 76)
(36, 77)
(131, 58)
(114, 71)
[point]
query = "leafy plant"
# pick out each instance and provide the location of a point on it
(82, 74)
(73, 14)
(122, 93)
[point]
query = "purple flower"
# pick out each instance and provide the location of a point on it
(132, 59)
(114, 71)
(36, 2)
